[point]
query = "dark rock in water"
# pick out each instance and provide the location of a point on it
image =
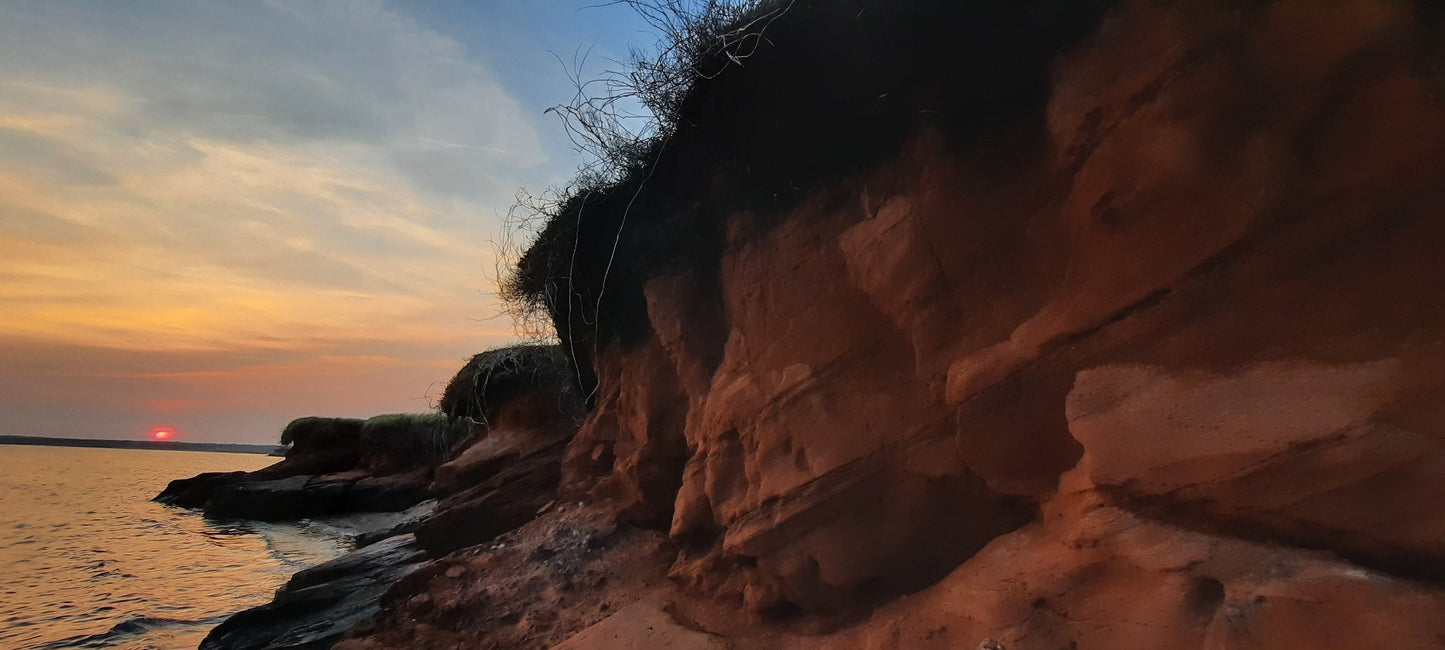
(296, 497)
(195, 491)
(375, 485)
(386, 493)
(382, 526)
(319, 605)
(331, 467)
(275, 500)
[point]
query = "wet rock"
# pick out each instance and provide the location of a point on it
(392, 493)
(375, 527)
(194, 492)
(319, 605)
(297, 497)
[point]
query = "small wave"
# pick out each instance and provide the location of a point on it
(301, 546)
(126, 630)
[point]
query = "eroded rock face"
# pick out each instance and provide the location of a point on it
(1092, 576)
(1162, 370)
(889, 365)
(1313, 453)
(506, 498)
(503, 477)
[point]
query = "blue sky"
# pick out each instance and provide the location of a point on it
(221, 214)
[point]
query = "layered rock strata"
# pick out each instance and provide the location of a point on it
(1158, 364)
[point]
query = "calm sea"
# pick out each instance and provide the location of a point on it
(88, 561)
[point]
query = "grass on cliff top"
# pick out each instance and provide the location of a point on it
(394, 440)
(407, 439)
(697, 40)
(750, 105)
(319, 431)
(495, 376)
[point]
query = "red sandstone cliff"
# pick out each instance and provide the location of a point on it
(1160, 369)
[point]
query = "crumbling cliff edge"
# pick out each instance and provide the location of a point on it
(995, 325)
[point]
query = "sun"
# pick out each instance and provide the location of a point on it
(162, 433)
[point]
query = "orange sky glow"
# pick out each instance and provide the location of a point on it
(224, 215)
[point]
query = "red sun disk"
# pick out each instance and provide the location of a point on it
(162, 433)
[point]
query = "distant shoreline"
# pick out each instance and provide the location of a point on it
(154, 445)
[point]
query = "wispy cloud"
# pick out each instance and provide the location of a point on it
(226, 176)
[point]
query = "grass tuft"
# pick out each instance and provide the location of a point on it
(311, 432)
(399, 440)
(495, 376)
(622, 123)
(748, 107)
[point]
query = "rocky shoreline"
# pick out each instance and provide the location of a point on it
(401, 508)
(950, 325)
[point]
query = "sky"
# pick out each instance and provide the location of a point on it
(219, 215)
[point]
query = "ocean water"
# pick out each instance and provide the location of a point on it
(88, 561)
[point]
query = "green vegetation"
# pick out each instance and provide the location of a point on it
(390, 442)
(411, 439)
(494, 376)
(311, 432)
